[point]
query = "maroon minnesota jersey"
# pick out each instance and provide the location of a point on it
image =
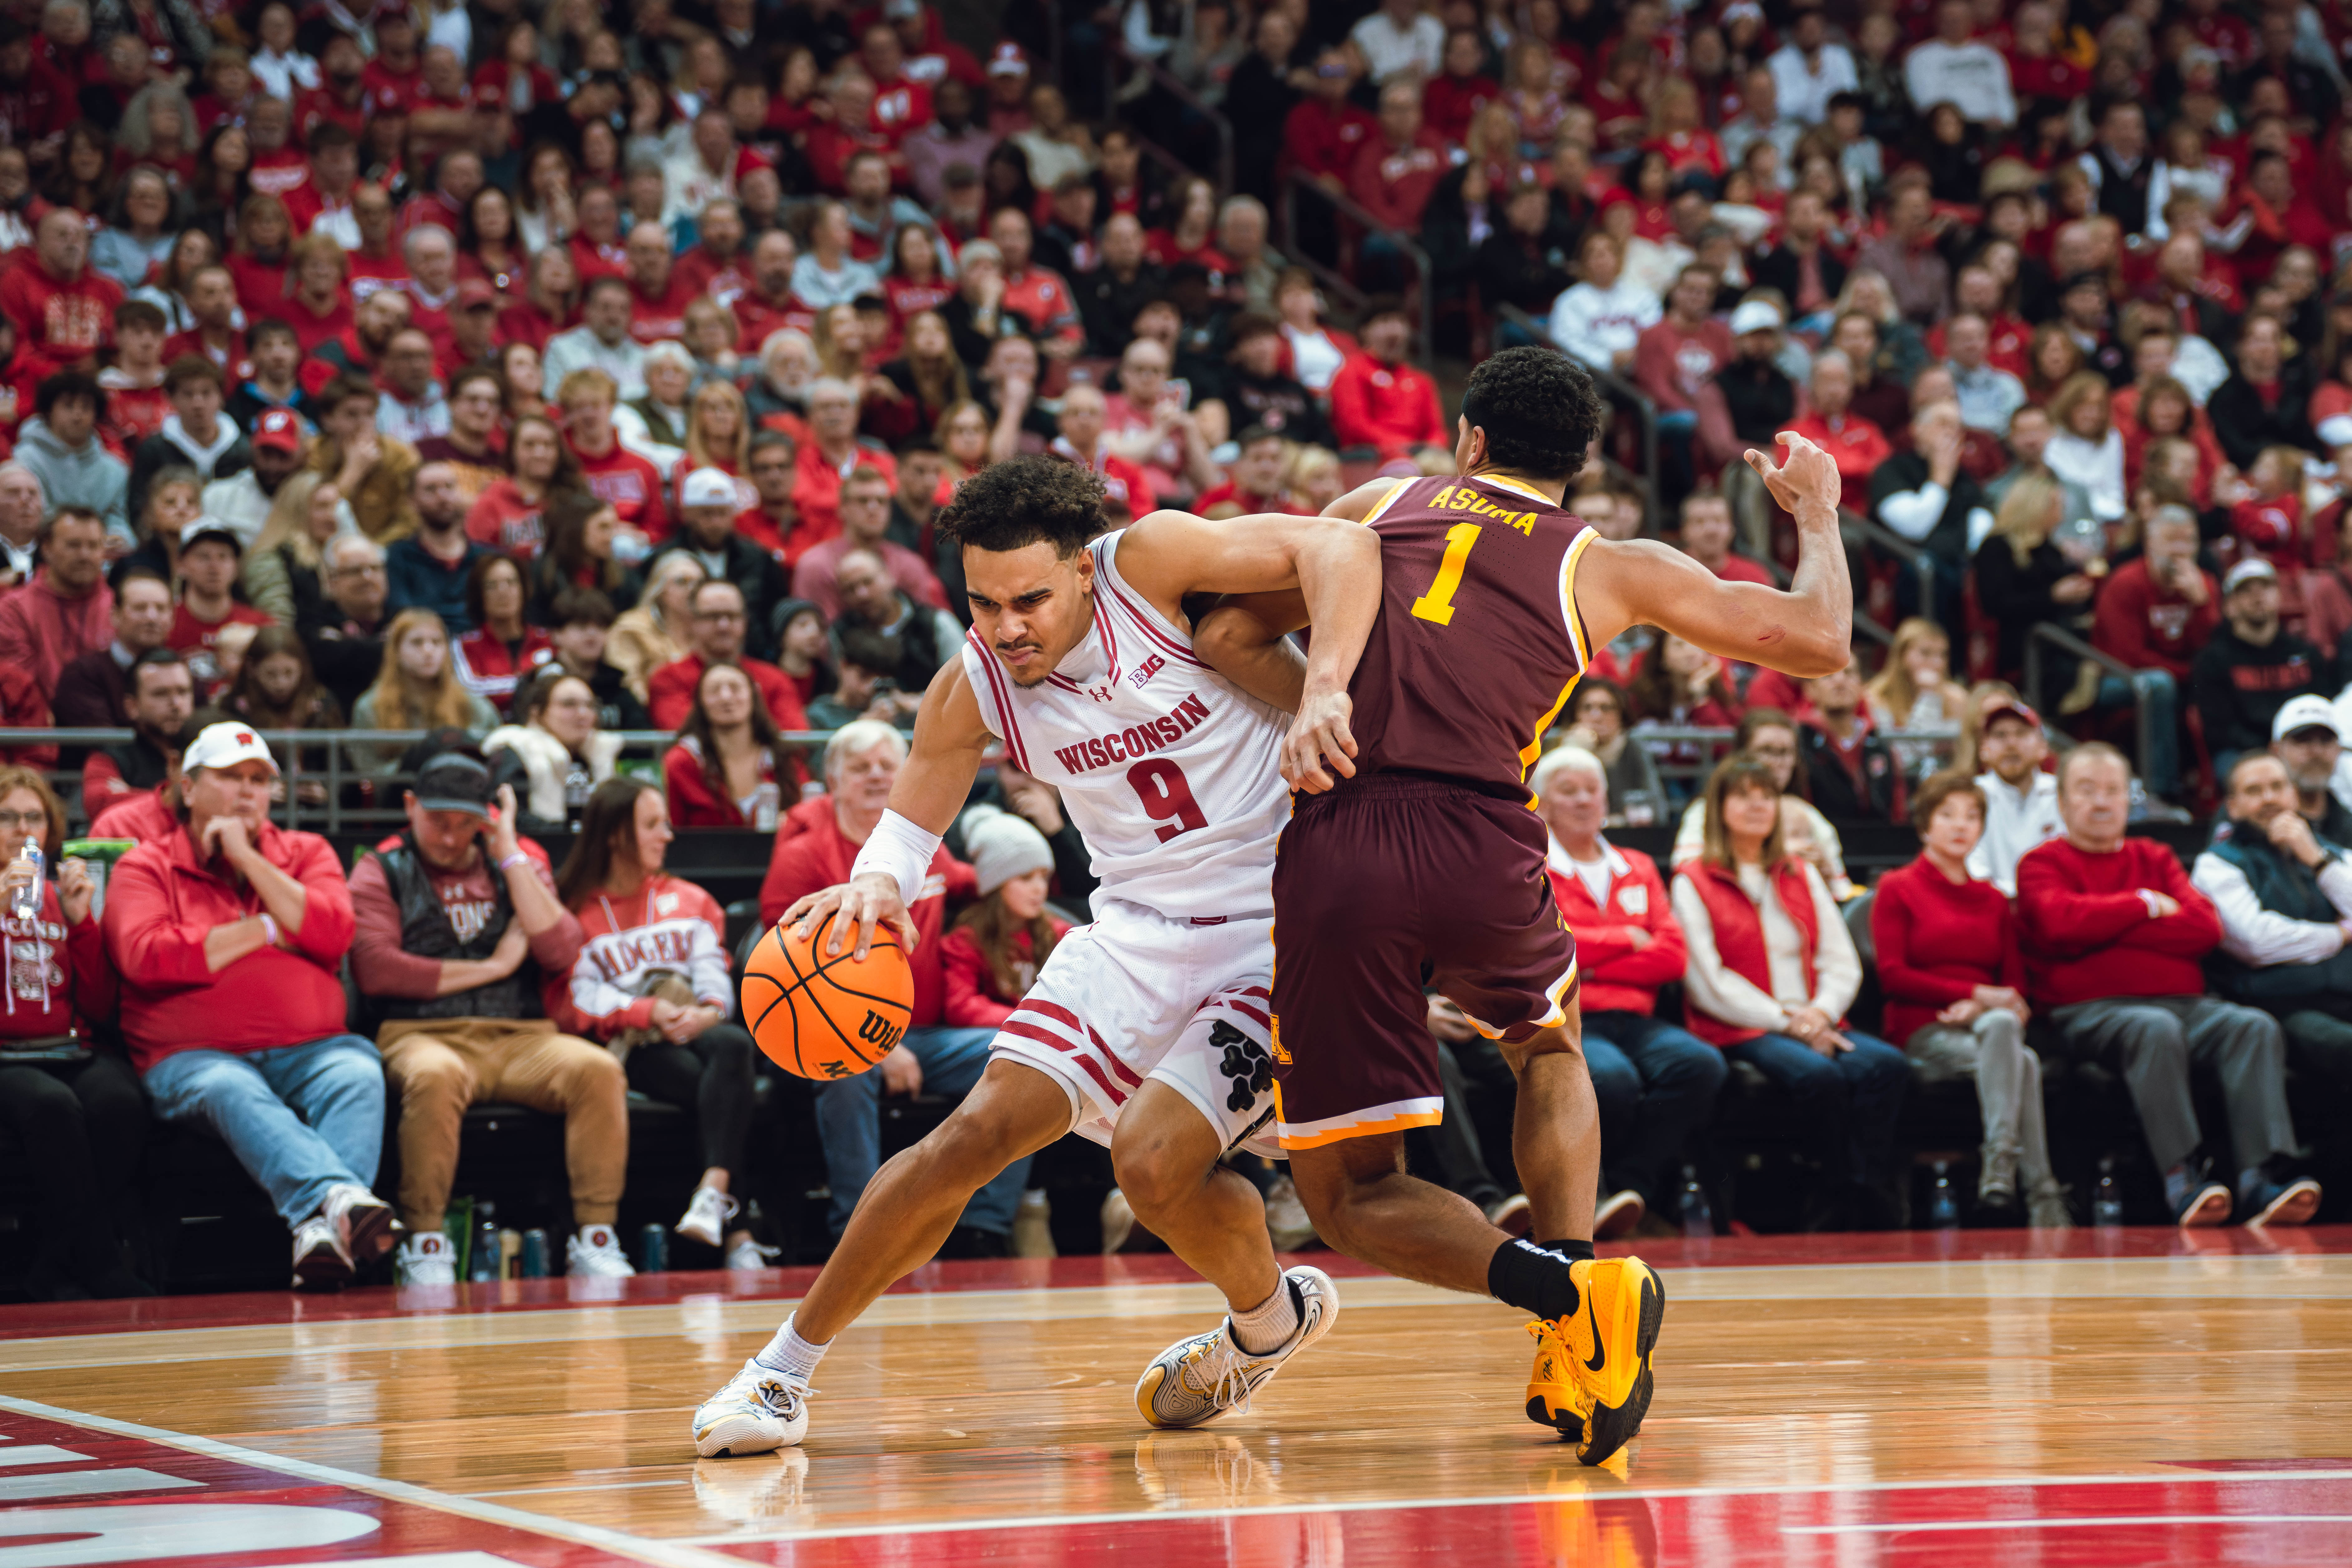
(1479, 641)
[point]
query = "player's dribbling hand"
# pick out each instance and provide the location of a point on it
(1319, 743)
(1809, 474)
(856, 907)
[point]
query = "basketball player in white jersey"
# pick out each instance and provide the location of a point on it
(1147, 1030)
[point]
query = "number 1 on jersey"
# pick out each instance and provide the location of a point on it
(1437, 604)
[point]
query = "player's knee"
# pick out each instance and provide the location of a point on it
(1157, 1177)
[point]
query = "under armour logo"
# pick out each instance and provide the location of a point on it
(1102, 693)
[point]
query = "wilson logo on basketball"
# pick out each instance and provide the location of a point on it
(878, 1030)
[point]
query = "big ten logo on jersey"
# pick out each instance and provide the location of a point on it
(1141, 675)
(1462, 498)
(878, 1030)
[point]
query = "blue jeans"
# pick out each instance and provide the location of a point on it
(1847, 1102)
(849, 1124)
(299, 1119)
(1656, 1085)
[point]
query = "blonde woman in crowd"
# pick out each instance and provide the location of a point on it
(281, 568)
(417, 689)
(656, 631)
(1915, 691)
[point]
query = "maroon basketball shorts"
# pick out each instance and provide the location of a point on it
(1389, 883)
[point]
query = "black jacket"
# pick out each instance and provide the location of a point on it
(1777, 268)
(2241, 688)
(1278, 402)
(1109, 306)
(1905, 471)
(2244, 425)
(1519, 269)
(1837, 794)
(2018, 598)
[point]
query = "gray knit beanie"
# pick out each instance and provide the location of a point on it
(1002, 847)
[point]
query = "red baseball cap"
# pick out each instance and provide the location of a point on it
(2005, 708)
(473, 294)
(280, 428)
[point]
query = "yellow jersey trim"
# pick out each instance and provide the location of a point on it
(1387, 501)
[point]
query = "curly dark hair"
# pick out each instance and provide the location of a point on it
(1538, 410)
(1016, 503)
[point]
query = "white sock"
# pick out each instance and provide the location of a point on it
(790, 1354)
(1267, 1326)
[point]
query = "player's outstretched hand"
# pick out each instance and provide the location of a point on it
(856, 908)
(1319, 743)
(1809, 474)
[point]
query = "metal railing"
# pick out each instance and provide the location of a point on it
(354, 792)
(1912, 556)
(1661, 741)
(2140, 682)
(1115, 55)
(1293, 182)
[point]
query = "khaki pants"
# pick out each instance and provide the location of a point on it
(439, 1067)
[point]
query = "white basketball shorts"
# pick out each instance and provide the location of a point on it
(1139, 996)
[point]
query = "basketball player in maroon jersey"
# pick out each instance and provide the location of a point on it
(1429, 861)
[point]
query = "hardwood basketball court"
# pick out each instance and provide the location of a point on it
(1922, 1398)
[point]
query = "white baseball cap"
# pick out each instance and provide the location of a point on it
(2305, 712)
(1755, 316)
(224, 746)
(707, 487)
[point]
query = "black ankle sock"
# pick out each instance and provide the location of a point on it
(1571, 1250)
(1531, 1278)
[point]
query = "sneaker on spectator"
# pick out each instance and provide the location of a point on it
(2207, 1205)
(364, 1227)
(706, 1216)
(1032, 1225)
(1619, 1212)
(2275, 1203)
(1117, 1221)
(319, 1261)
(595, 1254)
(1285, 1216)
(425, 1258)
(749, 1254)
(1514, 1216)
(2046, 1208)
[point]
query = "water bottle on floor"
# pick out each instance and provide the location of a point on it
(1697, 1214)
(483, 1263)
(2107, 1198)
(1943, 1208)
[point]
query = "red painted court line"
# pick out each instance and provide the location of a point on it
(50, 1318)
(2204, 1521)
(222, 1512)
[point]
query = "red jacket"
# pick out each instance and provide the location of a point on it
(142, 816)
(57, 976)
(492, 671)
(631, 484)
(1857, 447)
(2150, 627)
(669, 692)
(501, 519)
(1317, 140)
(817, 856)
(1390, 406)
(57, 323)
(696, 802)
(1936, 943)
(2087, 933)
(161, 901)
(653, 320)
(1614, 974)
(42, 631)
(1394, 184)
(1739, 935)
(973, 1000)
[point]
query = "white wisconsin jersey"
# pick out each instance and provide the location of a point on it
(1170, 771)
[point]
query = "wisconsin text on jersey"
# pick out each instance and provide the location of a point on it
(1135, 741)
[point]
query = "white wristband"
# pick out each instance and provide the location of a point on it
(268, 930)
(900, 851)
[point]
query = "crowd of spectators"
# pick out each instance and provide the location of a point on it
(525, 378)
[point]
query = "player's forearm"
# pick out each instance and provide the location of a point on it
(1239, 641)
(1339, 577)
(1819, 636)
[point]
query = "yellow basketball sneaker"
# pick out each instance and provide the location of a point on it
(1591, 1379)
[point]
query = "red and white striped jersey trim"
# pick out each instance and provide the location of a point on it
(1051, 1023)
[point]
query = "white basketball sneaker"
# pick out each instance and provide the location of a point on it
(760, 1410)
(595, 1254)
(319, 1260)
(707, 1216)
(1202, 1378)
(425, 1258)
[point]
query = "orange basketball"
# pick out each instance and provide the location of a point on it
(827, 1017)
